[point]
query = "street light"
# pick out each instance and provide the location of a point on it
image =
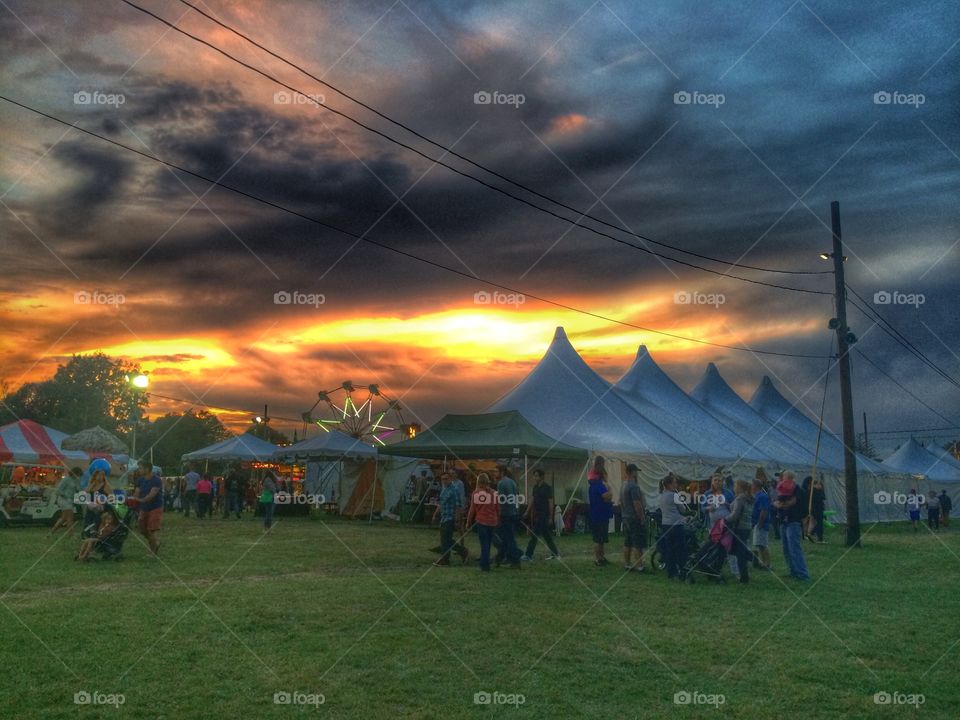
(140, 382)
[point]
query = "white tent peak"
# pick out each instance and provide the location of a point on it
(914, 458)
(771, 404)
(654, 394)
(566, 399)
(717, 397)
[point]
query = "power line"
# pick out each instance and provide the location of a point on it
(899, 337)
(439, 161)
(916, 431)
(897, 383)
(478, 165)
(398, 251)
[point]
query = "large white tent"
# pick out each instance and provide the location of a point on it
(647, 419)
(563, 397)
(944, 455)
(779, 411)
(328, 445)
(919, 462)
(245, 448)
(719, 399)
(650, 391)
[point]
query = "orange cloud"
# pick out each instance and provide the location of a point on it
(570, 124)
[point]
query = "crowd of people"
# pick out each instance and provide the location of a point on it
(937, 506)
(108, 514)
(737, 514)
(746, 511)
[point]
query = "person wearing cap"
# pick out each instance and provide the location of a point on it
(790, 509)
(634, 516)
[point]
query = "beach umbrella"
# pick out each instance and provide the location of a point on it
(95, 440)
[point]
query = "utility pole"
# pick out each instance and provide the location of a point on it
(844, 339)
(866, 438)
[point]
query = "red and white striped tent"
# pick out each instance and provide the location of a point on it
(26, 441)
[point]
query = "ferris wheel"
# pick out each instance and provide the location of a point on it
(363, 412)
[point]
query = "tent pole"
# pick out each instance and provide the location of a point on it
(576, 487)
(526, 490)
(374, 498)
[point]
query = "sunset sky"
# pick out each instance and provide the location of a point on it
(600, 127)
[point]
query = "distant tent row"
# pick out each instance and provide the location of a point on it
(647, 419)
(342, 469)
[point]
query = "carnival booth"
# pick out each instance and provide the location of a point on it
(340, 474)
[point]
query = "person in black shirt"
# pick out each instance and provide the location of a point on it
(946, 505)
(539, 517)
(236, 488)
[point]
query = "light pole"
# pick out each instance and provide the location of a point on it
(140, 383)
(845, 339)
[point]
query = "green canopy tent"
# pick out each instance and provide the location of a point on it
(486, 436)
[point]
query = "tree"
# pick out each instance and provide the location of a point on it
(172, 436)
(88, 390)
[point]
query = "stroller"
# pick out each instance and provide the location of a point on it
(111, 546)
(691, 536)
(709, 558)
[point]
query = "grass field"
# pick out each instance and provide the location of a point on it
(356, 614)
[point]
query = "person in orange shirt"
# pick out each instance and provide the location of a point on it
(485, 510)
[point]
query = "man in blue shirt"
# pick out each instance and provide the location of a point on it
(508, 497)
(600, 497)
(761, 525)
(190, 480)
(149, 498)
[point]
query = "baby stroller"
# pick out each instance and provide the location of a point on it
(709, 558)
(111, 546)
(691, 536)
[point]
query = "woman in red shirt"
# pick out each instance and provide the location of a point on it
(204, 495)
(485, 510)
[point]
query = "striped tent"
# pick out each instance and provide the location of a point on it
(26, 441)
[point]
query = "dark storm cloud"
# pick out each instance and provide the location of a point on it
(797, 105)
(101, 177)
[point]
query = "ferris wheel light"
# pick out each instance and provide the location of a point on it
(347, 385)
(374, 389)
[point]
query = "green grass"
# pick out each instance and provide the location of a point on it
(356, 613)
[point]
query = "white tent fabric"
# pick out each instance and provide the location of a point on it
(245, 448)
(944, 455)
(719, 399)
(332, 444)
(336, 480)
(650, 391)
(918, 461)
(564, 398)
(780, 412)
